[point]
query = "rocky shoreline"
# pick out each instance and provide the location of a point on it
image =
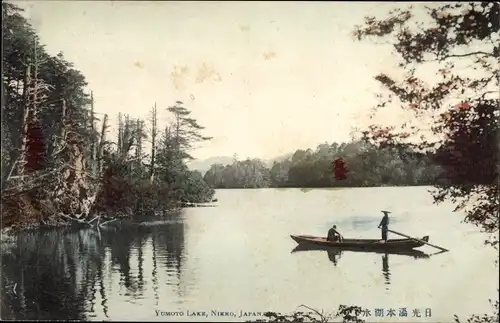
(7, 233)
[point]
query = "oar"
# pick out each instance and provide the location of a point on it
(437, 253)
(419, 240)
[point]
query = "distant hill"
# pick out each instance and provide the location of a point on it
(202, 165)
(281, 158)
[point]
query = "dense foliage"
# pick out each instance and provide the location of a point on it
(449, 55)
(367, 166)
(461, 104)
(139, 182)
(55, 154)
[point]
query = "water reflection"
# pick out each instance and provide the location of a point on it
(334, 255)
(39, 276)
(385, 270)
(410, 253)
(60, 274)
(233, 254)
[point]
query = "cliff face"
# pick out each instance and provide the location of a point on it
(50, 197)
(75, 194)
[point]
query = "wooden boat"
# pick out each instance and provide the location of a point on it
(336, 250)
(361, 244)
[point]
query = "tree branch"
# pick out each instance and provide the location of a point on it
(109, 221)
(466, 55)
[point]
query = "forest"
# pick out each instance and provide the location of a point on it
(367, 165)
(60, 162)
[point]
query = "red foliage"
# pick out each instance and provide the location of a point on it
(462, 106)
(470, 153)
(404, 135)
(339, 169)
(34, 148)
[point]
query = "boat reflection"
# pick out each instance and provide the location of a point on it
(385, 270)
(411, 253)
(334, 255)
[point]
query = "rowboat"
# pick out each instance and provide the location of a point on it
(336, 250)
(361, 244)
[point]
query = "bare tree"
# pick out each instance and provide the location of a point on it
(33, 97)
(100, 144)
(153, 119)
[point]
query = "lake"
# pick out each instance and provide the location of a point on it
(238, 256)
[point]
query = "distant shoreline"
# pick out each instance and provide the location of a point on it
(317, 187)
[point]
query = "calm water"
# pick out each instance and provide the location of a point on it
(238, 256)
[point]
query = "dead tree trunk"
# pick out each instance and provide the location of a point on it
(120, 133)
(127, 139)
(139, 136)
(35, 146)
(25, 122)
(93, 145)
(154, 133)
(100, 145)
(33, 97)
(61, 143)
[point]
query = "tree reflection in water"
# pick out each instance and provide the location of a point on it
(334, 255)
(60, 274)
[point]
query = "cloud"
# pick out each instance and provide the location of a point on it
(178, 76)
(138, 64)
(245, 28)
(269, 55)
(206, 72)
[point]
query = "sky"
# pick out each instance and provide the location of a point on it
(263, 78)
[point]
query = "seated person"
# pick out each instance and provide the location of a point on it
(334, 235)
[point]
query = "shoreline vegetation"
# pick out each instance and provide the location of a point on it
(60, 165)
(368, 166)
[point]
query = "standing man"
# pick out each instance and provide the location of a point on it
(384, 224)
